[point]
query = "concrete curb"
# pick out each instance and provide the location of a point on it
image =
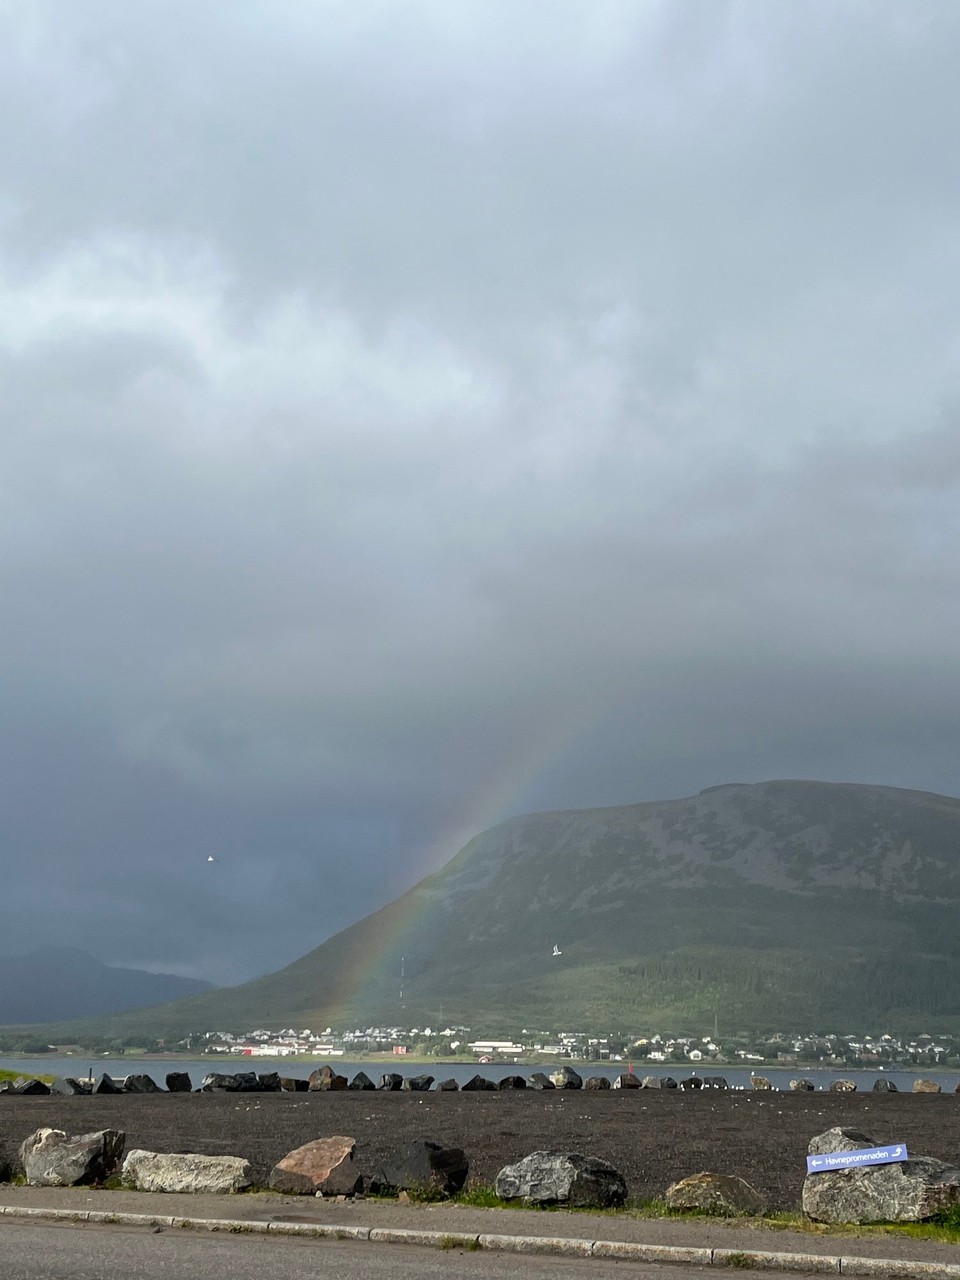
(752, 1259)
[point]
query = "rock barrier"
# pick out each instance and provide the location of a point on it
(325, 1079)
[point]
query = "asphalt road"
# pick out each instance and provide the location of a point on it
(78, 1252)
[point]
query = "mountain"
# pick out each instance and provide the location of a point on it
(56, 983)
(773, 905)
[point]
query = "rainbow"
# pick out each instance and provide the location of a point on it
(398, 924)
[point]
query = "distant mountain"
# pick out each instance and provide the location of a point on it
(58, 983)
(774, 905)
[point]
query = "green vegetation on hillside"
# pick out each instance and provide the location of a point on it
(787, 904)
(16, 1075)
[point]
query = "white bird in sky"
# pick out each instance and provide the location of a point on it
(211, 858)
(556, 950)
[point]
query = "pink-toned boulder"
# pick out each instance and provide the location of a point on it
(324, 1166)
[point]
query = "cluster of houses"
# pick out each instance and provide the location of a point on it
(327, 1043)
(457, 1041)
(870, 1050)
(402, 1040)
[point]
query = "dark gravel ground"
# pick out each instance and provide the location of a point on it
(653, 1137)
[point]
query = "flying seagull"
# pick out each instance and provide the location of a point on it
(556, 950)
(211, 858)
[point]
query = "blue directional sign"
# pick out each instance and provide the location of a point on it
(831, 1161)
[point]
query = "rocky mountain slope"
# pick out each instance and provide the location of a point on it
(778, 904)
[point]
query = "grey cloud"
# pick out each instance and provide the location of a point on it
(413, 417)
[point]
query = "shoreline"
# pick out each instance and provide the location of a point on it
(641, 1066)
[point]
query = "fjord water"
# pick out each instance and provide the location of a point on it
(737, 1077)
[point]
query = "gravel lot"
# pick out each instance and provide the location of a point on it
(653, 1137)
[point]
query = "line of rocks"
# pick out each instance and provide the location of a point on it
(882, 1085)
(912, 1190)
(909, 1191)
(327, 1079)
(326, 1167)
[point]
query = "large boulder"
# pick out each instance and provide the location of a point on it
(715, 1082)
(322, 1167)
(540, 1081)
(417, 1084)
(391, 1082)
(692, 1082)
(232, 1082)
(802, 1086)
(178, 1082)
(627, 1081)
(884, 1086)
(448, 1086)
(52, 1158)
(650, 1082)
(68, 1087)
(760, 1082)
(513, 1082)
(106, 1084)
(140, 1084)
(425, 1167)
(24, 1086)
(361, 1081)
(839, 1139)
(908, 1191)
(562, 1177)
(247, 1082)
(596, 1082)
(269, 1081)
(326, 1080)
(843, 1086)
(478, 1084)
(296, 1084)
(715, 1193)
(202, 1175)
(925, 1086)
(566, 1078)
(218, 1082)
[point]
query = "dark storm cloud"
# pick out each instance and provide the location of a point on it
(416, 415)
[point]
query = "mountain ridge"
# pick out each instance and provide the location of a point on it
(54, 983)
(769, 901)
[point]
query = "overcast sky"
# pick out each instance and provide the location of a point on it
(419, 413)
